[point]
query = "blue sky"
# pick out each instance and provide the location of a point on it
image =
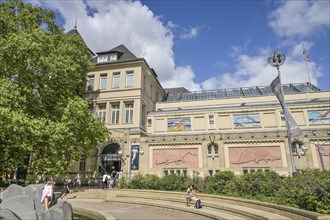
(205, 45)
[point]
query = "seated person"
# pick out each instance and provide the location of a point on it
(189, 196)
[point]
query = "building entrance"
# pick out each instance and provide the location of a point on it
(110, 158)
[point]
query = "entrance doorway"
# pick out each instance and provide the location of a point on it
(110, 158)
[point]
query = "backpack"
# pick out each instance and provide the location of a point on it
(198, 204)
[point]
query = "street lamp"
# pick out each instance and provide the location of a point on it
(276, 59)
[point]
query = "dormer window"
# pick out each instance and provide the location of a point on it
(107, 58)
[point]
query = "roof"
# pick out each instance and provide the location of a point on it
(177, 95)
(123, 53)
(74, 31)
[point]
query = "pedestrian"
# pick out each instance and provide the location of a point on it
(189, 195)
(47, 194)
(104, 180)
(108, 180)
(66, 188)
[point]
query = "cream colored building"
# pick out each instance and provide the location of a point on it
(164, 131)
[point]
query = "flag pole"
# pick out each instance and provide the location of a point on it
(293, 164)
(306, 61)
(276, 60)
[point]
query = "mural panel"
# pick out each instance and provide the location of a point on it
(175, 156)
(269, 156)
(319, 117)
(246, 121)
(179, 124)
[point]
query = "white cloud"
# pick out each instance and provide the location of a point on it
(123, 22)
(135, 25)
(189, 33)
(293, 18)
(255, 71)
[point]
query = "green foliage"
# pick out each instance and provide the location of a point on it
(309, 190)
(43, 117)
(174, 182)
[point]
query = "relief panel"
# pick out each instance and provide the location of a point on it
(175, 156)
(270, 156)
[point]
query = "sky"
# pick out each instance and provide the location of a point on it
(209, 44)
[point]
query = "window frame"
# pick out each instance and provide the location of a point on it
(103, 81)
(129, 79)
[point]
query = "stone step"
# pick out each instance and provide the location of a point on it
(205, 212)
(248, 213)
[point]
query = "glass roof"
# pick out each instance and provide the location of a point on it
(239, 92)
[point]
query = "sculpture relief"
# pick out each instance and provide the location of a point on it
(256, 155)
(163, 157)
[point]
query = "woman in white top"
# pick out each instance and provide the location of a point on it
(47, 194)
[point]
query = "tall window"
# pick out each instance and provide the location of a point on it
(115, 113)
(103, 81)
(144, 115)
(216, 150)
(82, 164)
(144, 85)
(116, 80)
(102, 112)
(209, 150)
(129, 78)
(129, 113)
(90, 83)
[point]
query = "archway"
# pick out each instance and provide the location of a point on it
(110, 159)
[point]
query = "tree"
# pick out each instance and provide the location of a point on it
(43, 117)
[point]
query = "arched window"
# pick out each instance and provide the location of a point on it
(209, 150)
(216, 150)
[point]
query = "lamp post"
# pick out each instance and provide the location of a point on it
(276, 59)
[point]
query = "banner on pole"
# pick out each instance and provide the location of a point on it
(291, 125)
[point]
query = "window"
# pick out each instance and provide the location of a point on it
(210, 172)
(101, 113)
(179, 172)
(113, 57)
(114, 113)
(129, 79)
(282, 117)
(157, 97)
(102, 58)
(209, 150)
(255, 169)
(115, 80)
(107, 58)
(144, 115)
(151, 91)
(213, 150)
(144, 85)
(129, 113)
(82, 164)
(149, 122)
(211, 119)
(90, 83)
(103, 82)
(216, 150)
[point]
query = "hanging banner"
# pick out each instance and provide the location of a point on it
(135, 156)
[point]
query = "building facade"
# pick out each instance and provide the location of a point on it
(175, 131)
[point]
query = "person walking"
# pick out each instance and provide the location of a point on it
(104, 180)
(66, 188)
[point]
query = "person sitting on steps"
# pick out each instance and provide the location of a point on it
(189, 195)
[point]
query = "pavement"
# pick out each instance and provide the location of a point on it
(91, 202)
